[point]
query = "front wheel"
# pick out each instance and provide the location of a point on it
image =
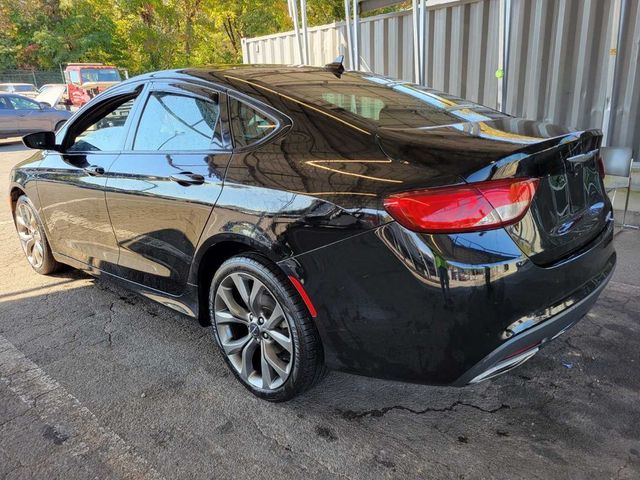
(32, 237)
(263, 329)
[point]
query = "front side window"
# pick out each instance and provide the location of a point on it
(21, 103)
(248, 124)
(178, 122)
(74, 76)
(107, 133)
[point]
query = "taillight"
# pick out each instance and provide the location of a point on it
(463, 208)
(600, 163)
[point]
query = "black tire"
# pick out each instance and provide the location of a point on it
(48, 264)
(59, 125)
(307, 367)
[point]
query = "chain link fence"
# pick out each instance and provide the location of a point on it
(35, 77)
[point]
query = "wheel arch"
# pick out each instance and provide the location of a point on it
(14, 193)
(210, 255)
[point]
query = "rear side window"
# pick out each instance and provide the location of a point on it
(249, 125)
(178, 122)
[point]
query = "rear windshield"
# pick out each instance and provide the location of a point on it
(99, 75)
(384, 103)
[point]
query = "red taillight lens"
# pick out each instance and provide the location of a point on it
(471, 207)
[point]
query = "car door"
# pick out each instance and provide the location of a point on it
(71, 184)
(7, 119)
(161, 191)
(29, 115)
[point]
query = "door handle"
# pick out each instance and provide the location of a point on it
(94, 170)
(187, 178)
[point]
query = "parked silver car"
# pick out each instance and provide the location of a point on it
(21, 115)
(26, 89)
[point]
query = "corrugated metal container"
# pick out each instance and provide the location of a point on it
(625, 118)
(558, 61)
(559, 55)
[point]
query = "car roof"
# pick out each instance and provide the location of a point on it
(245, 71)
(387, 103)
(17, 84)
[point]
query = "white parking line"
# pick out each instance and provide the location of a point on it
(54, 405)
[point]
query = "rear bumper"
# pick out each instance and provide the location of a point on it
(521, 348)
(443, 309)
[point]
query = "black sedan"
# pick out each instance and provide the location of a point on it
(326, 219)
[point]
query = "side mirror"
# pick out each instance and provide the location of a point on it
(44, 105)
(41, 141)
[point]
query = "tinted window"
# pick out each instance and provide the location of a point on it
(178, 122)
(380, 102)
(4, 104)
(362, 105)
(21, 103)
(74, 76)
(248, 124)
(106, 134)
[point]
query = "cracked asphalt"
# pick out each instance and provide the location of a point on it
(96, 382)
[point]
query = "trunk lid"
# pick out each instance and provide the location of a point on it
(570, 207)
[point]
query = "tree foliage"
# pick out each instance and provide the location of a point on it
(141, 35)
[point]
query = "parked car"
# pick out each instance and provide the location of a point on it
(86, 80)
(24, 89)
(21, 115)
(317, 218)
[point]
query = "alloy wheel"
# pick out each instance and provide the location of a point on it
(253, 331)
(30, 235)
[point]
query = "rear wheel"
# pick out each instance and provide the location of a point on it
(32, 237)
(59, 125)
(263, 329)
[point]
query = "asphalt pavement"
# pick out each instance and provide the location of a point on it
(96, 382)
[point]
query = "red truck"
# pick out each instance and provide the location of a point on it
(86, 80)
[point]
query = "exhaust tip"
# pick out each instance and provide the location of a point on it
(508, 363)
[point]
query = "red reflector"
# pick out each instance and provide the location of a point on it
(303, 294)
(463, 208)
(522, 350)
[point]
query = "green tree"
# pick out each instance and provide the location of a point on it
(142, 35)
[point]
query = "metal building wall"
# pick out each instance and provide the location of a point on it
(325, 43)
(558, 60)
(556, 71)
(625, 118)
